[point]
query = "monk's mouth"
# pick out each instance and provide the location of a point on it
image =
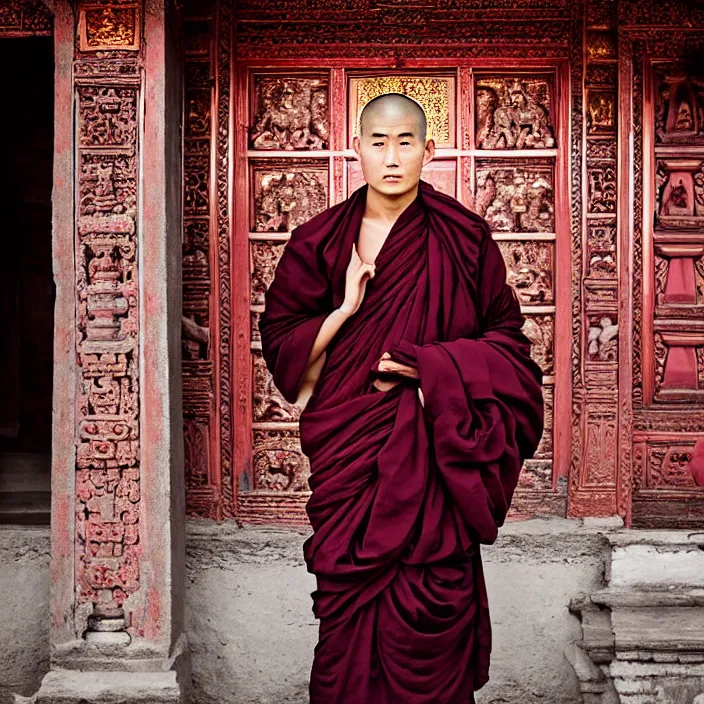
(392, 178)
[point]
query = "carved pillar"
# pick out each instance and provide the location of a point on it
(118, 502)
(594, 472)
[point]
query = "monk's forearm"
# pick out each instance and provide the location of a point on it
(327, 331)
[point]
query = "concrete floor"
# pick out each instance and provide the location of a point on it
(252, 631)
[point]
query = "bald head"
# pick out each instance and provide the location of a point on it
(395, 104)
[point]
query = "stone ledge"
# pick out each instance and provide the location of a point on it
(76, 687)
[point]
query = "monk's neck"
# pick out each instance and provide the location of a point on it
(383, 208)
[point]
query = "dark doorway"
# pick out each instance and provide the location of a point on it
(26, 282)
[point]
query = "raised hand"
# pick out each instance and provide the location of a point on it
(358, 273)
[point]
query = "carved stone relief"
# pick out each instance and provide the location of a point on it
(279, 464)
(514, 113)
(290, 113)
(601, 112)
(109, 26)
(679, 107)
(109, 115)
(203, 461)
(196, 192)
(680, 194)
(602, 338)
(268, 403)
(666, 466)
(25, 16)
(601, 44)
(197, 114)
(602, 187)
(265, 258)
(545, 447)
(516, 198)
(600, 446)
(287, 195)
(539, 329)
(529, 267)
(196, 446)
(107, 452)
(601, 255)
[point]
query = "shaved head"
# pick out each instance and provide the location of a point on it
(395, 103)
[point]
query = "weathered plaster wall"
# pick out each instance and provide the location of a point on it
(251, 628)
(24, 609)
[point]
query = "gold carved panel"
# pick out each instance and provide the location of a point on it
(514, 113)
(601, 112)
(441, 174)
(529, 267)
(287, 194)
(436, 94)
(104, 27)
(516, 196)
(289, 113)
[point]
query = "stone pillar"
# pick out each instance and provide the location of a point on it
(117, 474)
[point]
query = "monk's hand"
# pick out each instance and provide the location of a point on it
(387, 365)
(358, 273)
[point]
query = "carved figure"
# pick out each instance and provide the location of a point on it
(288, 199)
(520, 122)
(515, 200)
(603, 340)
(293, 116)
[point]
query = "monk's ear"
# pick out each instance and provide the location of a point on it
(356, 145)
(429, 151)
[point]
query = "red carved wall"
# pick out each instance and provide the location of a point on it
(613, 307)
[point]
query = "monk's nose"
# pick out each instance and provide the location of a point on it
(391, 156)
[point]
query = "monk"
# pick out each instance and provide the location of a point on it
(389, 320)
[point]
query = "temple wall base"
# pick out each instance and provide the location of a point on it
(643, 634)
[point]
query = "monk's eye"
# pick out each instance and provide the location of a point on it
(377, 144)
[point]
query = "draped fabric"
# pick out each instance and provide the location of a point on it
(403, 494)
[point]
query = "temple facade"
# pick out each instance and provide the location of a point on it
(145, 223)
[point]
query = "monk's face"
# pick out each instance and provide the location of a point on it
(391, 150)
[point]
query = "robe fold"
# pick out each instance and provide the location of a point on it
(403, 494)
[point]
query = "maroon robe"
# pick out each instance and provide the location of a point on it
(403, 495)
